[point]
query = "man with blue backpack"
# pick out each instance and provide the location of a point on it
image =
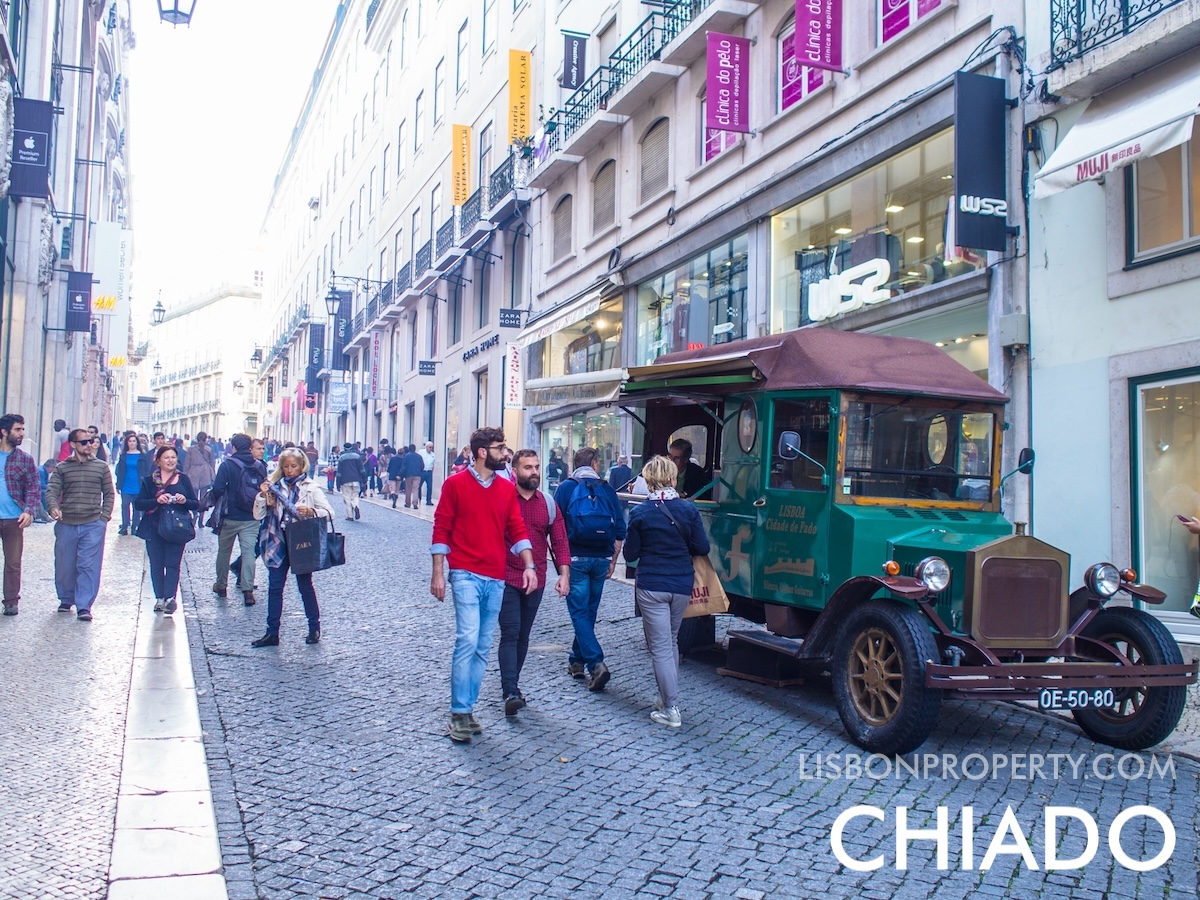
(234, 490)
(595, 531)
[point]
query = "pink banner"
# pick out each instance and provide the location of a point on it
(818, 40)
(727, 106)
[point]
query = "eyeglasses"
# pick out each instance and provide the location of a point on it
(500, 447)
(87, 441)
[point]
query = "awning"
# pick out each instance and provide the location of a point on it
(563, 317)
(584, 387)
(1147, 115)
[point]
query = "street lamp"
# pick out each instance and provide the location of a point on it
(333, 300)
(158, 313)
(177, 12)
(157, 368)
(239, 388)
(256, 356)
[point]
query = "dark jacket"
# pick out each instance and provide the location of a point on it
(395, 466)
(619, 477)
(694, 478)
(145, 464)
(591, 549)
(147, 502)
(663, 551)
(350, 469)
(229, 475)
(413, 465)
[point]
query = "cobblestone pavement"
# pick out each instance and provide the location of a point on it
(332, 776)
(62, 709)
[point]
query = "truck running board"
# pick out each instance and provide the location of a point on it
(763, 657)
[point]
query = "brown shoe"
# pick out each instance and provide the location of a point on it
(248, 596)
(220, 591)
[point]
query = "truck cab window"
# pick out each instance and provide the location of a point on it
(799, 445)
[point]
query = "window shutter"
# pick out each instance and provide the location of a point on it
(604, 197)
(656, 160)
(562, 228)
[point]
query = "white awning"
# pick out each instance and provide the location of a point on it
(1147, 115)
(583, 387)
(561, 318)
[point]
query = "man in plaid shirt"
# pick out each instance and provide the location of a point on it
(547, 529)
(20, 499)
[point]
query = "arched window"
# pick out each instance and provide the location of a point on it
(562, 227)
(656, 160)
(604, 197)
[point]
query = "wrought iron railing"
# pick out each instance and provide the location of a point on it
(501, 182)
(371, 10)
(471, 211)
(445, 237)
(372, 310)
(633, 53)
(423, 258)
(1079, 26)
(403, 279)
(591, 97)
(359, 322)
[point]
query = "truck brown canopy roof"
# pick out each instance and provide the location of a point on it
(821, 357)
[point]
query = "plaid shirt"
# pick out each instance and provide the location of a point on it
(21, 478)
(542, 536)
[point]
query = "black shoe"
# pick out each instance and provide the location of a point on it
(313, 637)
(427, 503)
(393, 502)
(512, 703)
(65, 606)
(84, 615)
(357, 514)
(267, 640)
(122, 530)
(10, 609)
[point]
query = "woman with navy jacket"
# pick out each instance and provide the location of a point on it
(164, 486)
(664, 533)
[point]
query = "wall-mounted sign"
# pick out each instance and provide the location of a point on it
(727, 106)
(574, 59)
(460, 158)
(520, 83)
(339, 397)
(818, 39)
(316, 352)
(851, 290)
(980, 162)
(427, 367)
(284, 373)
(116, 362)
(341, 332)
(376, 340)
(510, 318)
(488, 344)
(79, 301)
(513, 380)
(33, 121)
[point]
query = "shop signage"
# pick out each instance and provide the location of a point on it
(574, 59)
(341, 332)
(513, 381)
(283, 373)
(488, 344)
(574, 312)
(728, 83)
(316, 351)
(271, 389)
(520, 81)
(980, 162)
(427, 367)
(79, 301)
(557, 394)
(32, 123)
(461, 163)
(376, 340)
(510, 318)
(116, 362)
(845, 292)
(818, 39)
(339, 397)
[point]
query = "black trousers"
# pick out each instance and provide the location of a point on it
(517, 612)
(164, 566)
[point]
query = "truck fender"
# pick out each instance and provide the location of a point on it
(819, 642)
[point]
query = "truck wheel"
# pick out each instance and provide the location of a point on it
(697, 632)
(1141, 717)
(879, 677)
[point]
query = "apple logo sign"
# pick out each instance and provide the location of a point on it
(30, 143)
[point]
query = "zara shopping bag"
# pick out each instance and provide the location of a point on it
(306, 544)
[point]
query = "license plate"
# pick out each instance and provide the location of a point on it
(1076, 698)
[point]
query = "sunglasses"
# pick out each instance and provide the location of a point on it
(87, 441)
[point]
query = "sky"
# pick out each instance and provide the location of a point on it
(212, 106)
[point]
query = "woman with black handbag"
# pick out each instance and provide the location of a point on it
(167, 500)
(288, 495)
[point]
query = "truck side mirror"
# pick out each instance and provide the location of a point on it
(789, 445)
(1025, 461)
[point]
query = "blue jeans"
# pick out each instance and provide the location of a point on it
(477, 601)
(276, 582)
(427, 480)
(588, 574)
(78, 555)
(130, 514)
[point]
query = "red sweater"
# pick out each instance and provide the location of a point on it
(476, 527)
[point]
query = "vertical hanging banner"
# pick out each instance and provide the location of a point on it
(79, 301)
(980, 162)
(301, 397)
(574, 59)
(514, 388)
(339, 397)
(520, 84)
(460, 159)
(341, 332)
(728, 83)
(283, 376)
(33, 121)
(316, 352)
(818, 39)
(376, 340)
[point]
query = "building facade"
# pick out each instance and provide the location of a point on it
(63, 92)
(1114, 272)
(202, 359)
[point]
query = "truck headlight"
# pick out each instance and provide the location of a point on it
(1102, 579)
(934, 572)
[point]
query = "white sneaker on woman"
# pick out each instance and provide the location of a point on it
(669, 717)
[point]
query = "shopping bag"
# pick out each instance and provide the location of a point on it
(305, 545)
(335, 548)
(708, 594)
(175, 525)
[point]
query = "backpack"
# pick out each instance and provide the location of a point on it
(244, 489)
(551, 507)
(589, 514)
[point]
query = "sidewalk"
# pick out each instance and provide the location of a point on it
(107, 789)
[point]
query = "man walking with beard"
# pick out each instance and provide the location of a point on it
(476, 523)
(20, 499)
(546, 527)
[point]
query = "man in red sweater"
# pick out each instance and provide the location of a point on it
(476, 524)
(547, 529)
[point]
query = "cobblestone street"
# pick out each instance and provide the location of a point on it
(332, 775)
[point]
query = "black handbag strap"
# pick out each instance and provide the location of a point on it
(661, 506)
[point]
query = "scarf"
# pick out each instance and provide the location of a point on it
(665, 494)
(273, 542)
(159, 484)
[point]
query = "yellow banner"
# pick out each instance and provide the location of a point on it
(520, 85)
(461, 163)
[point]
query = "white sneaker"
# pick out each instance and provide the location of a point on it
(669, 717)
(159, 604)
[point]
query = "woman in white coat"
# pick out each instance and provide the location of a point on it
(289, 493)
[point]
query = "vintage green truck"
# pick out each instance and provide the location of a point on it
(853, 505)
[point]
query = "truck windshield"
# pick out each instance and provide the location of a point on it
(916, 449)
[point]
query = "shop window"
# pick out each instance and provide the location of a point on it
(481, 398)
(561, 438)
(884, 232)
(430, 402)
(1165, 200)
(604, 197)
(591, 345)
(453, 434)
(701, 302)
(454, 316)
(656, 159)
(561, 222)
(794, 81)
(898, 16)
(713, 141)
(482, 276)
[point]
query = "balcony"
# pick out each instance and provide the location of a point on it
(445, 238)
(637, 75)
(472, 226)
(382, 19)
(423, 275)
(688, 21)
(1080, 26)
(584, 120)
(507, 187)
